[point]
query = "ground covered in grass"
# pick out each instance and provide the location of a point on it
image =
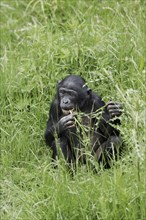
(42, 41)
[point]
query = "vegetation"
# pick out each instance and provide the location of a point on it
(41, 42)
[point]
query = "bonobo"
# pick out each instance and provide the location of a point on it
(73, 97)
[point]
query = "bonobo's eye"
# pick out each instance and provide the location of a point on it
(71, 94)
(61, 92)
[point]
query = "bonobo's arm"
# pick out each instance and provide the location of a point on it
(57, 122)
(50, 129)
(112, 110)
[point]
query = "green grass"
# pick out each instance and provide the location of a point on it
(42, 41)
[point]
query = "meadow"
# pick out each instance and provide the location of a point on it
(42, 41)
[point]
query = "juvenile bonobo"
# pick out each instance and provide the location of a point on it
(72, 97)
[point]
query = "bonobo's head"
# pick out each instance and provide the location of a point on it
(73, 93)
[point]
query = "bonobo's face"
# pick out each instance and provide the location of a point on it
(71, 95)
(68, 99)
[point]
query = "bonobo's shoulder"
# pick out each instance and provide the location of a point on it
(55, 110)
(54, 105)
(54, 102)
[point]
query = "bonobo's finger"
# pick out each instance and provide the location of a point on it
(118, 111)
(116, 114)
(70, 116)
(69, 124)
(67, 118)
(115, 105)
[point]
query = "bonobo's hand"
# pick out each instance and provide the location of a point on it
(65, 122)
(114, 109)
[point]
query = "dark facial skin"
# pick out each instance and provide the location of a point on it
(68, 98)
(73, 95)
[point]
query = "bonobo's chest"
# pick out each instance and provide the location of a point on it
(87, 121)
(85, 134)
(84, 125)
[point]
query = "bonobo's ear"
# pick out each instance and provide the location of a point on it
(89, 91)
(59, 83)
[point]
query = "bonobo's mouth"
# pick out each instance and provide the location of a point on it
(67, 111)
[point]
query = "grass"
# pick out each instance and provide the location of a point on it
(42, 41)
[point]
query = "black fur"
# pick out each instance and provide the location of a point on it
(73, 93)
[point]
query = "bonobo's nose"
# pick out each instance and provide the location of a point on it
(66, 101)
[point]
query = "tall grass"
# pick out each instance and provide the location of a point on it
(41, 42)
